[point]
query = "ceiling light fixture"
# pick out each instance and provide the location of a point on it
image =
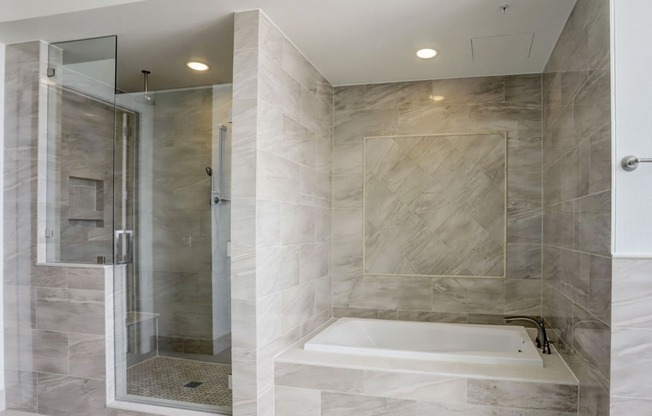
(197, 66)
(437, 97)
(426, 53)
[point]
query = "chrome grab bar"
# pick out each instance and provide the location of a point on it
(630, 163)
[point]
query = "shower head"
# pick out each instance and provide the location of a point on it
(209, 171)
(146, 98)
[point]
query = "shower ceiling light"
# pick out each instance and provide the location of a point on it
(197, 66)
(426, 53)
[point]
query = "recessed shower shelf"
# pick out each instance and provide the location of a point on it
(86, 215)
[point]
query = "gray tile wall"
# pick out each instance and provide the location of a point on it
(433, 206)
(576, 257)
(83, 167)
(54, 316)
(281, 231)
(508, 105)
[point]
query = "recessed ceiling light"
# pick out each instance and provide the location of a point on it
(426, 53)
(197, 66)
(437, 97)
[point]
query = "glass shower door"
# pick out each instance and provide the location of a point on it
(172, 271)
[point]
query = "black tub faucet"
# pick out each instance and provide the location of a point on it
(542, 337)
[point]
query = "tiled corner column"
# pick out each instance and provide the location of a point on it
(281, 205)
(577, 264)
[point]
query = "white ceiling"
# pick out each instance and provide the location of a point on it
(27, 9)
(350, 41)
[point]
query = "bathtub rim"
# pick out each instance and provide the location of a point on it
(530, 357)
(555, 370)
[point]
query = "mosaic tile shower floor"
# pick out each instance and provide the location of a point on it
(165, 378)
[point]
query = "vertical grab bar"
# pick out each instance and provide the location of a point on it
(124, 247)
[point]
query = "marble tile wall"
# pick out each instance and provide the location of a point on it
(507, 105)
(631, 337)
(305, 390)
(576, 257)
(83, 193)
(54, 316)
(281, 230)
(435, 206)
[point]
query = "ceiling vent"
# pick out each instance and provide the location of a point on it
(493, 49)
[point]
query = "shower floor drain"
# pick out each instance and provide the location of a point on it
(193, 384)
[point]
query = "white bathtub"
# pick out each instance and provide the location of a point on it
(481, 344)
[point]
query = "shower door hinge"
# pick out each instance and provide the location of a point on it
(51, 72)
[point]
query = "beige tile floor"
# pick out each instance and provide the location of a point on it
(165, 378)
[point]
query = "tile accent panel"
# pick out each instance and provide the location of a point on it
(506, 105)
(434, 206)
(577, 264)
(281, 205)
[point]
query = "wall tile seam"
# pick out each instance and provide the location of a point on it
(574, 250)
(632, 328)
(542, 189)
(547, 127)
(392, 395)
(291, 43)
(575, 304)
(597, 376)
(467, 105)
(577, 145)
(299, 121)
(581, 361)
(46, 373)
(302, 86)
(577, 198)
(619, 396)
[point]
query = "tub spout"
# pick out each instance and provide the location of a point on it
(542, 337)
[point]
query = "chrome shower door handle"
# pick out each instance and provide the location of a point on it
(124, 246)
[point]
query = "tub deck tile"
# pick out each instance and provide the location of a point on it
(319, 377)
(537, 396)
(428, 387)
(338, 404)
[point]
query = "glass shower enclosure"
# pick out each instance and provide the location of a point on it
(142, 181)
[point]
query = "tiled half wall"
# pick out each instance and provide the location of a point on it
(366, 283)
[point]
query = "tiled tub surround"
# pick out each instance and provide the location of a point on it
(577, 265)
(311, 383)
(281, 205)
(510, 105)
(435, 205)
